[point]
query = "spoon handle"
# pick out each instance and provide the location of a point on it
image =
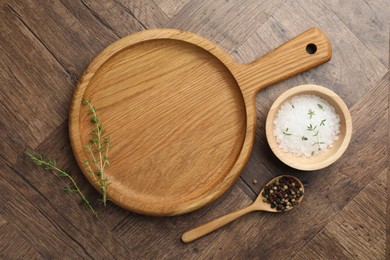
(207, 228)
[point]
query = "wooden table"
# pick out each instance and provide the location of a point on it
(45, 47)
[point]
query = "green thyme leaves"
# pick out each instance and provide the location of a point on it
(51, 165)
(97, 148)
(285, 132)
(311, 113)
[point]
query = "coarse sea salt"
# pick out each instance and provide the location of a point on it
(306, 125)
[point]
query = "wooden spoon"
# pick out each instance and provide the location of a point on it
(258, 205)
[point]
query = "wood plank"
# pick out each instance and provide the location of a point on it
(388, 178)
(368, 20)
(171, 7)
(388, 191)
(46, 235)
(68, 30)
(34, 87)
(148, 13)
(224, 22)
(358, 231)
(13, 245)
(35, 201)
(340, 74)
(45, 51)
(165, 242)
(111, 13)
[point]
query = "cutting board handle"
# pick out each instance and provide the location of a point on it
(306, 51)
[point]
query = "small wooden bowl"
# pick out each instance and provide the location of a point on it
(330, 155)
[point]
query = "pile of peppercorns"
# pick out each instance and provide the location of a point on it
(283, 193)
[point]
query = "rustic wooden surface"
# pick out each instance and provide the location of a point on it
(45, 47)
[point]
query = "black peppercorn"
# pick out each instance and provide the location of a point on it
(283, 193)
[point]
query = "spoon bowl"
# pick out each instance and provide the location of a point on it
(264, 206)
(258, 205)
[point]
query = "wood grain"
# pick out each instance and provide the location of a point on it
(369, 21)
(358, 231)
(224, 22)
(112, 14)
(171, 7)
(38, 78)
(14, 245)
(148, 13)
(69, 34)
(167, 231)
(44, 48)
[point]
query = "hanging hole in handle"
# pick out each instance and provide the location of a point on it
(311, 48)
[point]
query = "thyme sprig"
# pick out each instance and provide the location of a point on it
(51, 165)
(311, 113)
(97, 148)
(312, 128)
(286, 132)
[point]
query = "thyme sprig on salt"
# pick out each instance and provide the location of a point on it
(97, 148)
(305, 125)
(285, 132)
(311, 113)
(311, 128)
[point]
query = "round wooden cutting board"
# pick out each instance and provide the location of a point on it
(180, 114)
